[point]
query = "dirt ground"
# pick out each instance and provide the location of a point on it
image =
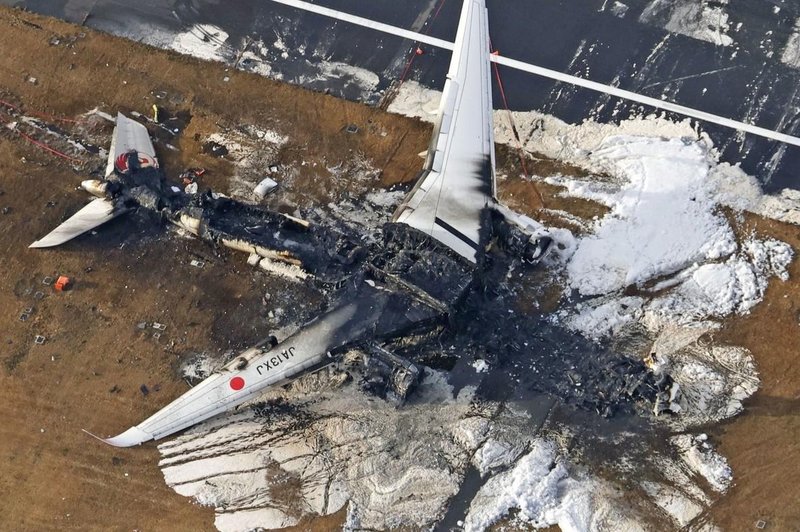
(763, 444)
(90, 370)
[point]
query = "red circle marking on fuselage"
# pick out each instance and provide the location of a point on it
(237, 383)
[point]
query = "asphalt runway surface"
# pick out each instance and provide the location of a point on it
(741, 66)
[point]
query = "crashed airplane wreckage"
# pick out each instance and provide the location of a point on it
(439, 266)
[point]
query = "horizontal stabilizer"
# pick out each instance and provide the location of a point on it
(94, 214)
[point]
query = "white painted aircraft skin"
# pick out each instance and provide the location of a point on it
(555, 75)
(457, 183)
(95, 213)
(130, 135)
(257, 368)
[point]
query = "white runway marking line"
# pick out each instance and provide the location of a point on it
(552, 74)
(367, 23)
(646, 100)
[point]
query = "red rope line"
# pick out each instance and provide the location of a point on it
(41, 115)
(520, 151)
(417, 50)
(48, 148)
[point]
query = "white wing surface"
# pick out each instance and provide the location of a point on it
(457, 182)
(95, 213)
(252, 371)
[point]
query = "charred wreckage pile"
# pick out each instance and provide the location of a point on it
(417, 302)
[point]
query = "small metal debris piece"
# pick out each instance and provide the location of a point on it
(38, 295)
(761, 524)
(351, 128)
(264, 187)
(27, 310)
(39, 339)
(33, 80)
(24, 317)
(197, 263)
(141, 325)
(47, 281)
(156, 335)
(159, 326)
(144, 390)
(274, 168)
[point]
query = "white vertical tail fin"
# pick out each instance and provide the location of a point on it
(130, 135)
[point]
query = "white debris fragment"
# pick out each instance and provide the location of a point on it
(705, 21)
(200, 366)
(480, 365)
(204, 41)
(264, 187)
(618, 9)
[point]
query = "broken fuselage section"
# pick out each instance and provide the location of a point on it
(415, 278)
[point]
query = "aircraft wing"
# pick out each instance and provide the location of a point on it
(457, 182)
(95, 213)
(130, 135)
(260, 367)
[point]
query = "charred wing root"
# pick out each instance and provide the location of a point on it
(385, 374)
(420, 265)
(519, 236)
(278, 238)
